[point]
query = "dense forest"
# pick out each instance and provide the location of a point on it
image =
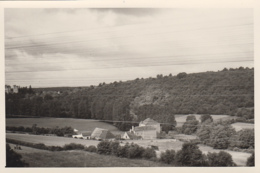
(230, 92)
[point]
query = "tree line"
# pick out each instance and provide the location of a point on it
(228, 92)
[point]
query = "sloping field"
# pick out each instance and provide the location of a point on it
(49, 140)
(181, 119)
(25, 149)
(82, 159)
(240, 126)
(79, 124)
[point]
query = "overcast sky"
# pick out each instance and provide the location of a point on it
(82, 47)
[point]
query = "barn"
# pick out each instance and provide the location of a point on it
(101, 134)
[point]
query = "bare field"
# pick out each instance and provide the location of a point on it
(79, 124)
(181, 119)
(240, 126)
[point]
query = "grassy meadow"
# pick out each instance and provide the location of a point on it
(49, 140)
(76, 158)
(181, 119)
(240, 126)
(79, 124)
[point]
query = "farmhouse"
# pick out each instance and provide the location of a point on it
(129, 135)
(147, 129)
(101, 134)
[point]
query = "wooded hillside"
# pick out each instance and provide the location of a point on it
(228, 92)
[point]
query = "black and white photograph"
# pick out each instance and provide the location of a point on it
(129, 87)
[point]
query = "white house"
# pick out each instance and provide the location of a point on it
(147, 129)
(83, 135)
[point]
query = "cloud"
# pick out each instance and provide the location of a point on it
(121, 44)
(130, 11)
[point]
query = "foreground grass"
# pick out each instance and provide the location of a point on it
(82, 159)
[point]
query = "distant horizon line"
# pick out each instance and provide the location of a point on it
(132, 79)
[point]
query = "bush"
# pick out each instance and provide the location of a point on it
(91, 148)
(40, 146)
(135, 151)
(114, 147)
(55, 148)
(73, 146)
(149, 153)
(190, 126)
(13, 159)
(168, 157)
(251, 160)
(103, 147)
(122, 151)
(189, 155)
(220, 159)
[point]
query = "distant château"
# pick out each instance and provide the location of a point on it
(9, 89)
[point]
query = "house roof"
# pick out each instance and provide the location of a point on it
(86, 133)
(102, 134)
(132, 136)
(144, 128)
(149, 121)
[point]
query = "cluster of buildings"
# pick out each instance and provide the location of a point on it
(97, 134)
(9, 89)
(147, 129)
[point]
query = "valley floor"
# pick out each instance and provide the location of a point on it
(239, 158)
(74, 158)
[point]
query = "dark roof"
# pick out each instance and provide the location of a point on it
(86, 133)
(102, 134)
(144, 128)
(149, 121)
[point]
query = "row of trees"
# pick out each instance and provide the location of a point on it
(41, 130)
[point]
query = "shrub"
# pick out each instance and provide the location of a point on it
(168, 156)
(251, 160)
(189, 155)
(206, 117)
(220, 159)
(114, 147)
(149, 153)
(135, 151)
(13, 159)
(246, 138)
(220, 135)
(103, 147)
(122, 151)
(190, 126)
(55, 148)
(40, 146)
(73, 146)
(91, 148)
